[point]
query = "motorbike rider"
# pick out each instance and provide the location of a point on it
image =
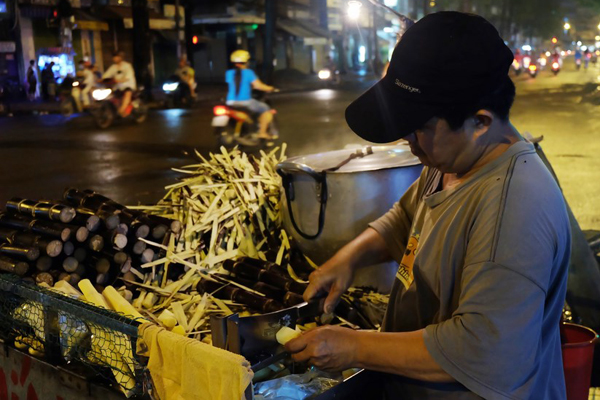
(187, 75)
(586, 58)
(241, 80)
(48, 82)
(578, 57)
(124, 76)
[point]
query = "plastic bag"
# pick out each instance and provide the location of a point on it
(296, 387)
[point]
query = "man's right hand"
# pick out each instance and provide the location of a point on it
(332, 278)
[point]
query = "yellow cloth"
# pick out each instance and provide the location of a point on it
(184, 368)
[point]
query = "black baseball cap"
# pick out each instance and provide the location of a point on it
(445, 59)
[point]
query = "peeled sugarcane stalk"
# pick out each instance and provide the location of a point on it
(96, 243)
(115, 239)
(118, 303)
(48, 247)
(109, 348)
(45, 210)
(242, 296)
(13, 266)
(288, 299)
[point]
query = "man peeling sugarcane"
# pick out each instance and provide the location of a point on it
(482, 237)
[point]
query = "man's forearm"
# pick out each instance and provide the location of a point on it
(399, 353)
(366, 249)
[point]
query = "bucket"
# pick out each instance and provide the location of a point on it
(578, 355)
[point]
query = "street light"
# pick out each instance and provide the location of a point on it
(354, 9)
(567, 26)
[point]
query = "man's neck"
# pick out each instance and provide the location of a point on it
(507, 136)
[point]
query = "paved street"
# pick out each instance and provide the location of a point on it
(42, 155)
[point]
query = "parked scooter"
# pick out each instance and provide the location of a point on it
(69, 92)
(106, 109)
(178, 93)
(235, 125)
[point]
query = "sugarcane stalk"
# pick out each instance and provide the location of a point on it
(13, 266)
(51, 248)
(86, 217)
(45, 210)
(242, 296)
(68, 248)
(25, 253)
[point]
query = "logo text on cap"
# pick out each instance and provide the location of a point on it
(407, 87)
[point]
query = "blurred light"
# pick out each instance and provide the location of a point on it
(432, 4)
(598, 26)
(324, 74)
(597, 44)
(325, 94)
(75, 83)
(548, 54)
(354, 9)
(195, 39)
(562, 53)
(388, 29)
(526, 47)
(532, 67)
(583, 48)
(554, 40)
(390, 3)
(597, 38)
(220, 110)
(362, 54)
(254, 27)
(579, 43)
(555, 65)
(170, 86)
(567, 26)
(598, 52)
(569, 52)
(55, 13)
(543, 62)
(101, 94)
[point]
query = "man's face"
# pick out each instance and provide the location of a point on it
(117, 59)
(438, 146)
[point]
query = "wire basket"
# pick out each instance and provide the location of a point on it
(65, 331)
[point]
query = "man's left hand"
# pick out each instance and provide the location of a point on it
(329, 348)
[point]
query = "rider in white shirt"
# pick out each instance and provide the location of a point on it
(124, 76)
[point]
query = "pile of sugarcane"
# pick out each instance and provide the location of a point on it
(85, 235)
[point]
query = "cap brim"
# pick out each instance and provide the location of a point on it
(380, 115)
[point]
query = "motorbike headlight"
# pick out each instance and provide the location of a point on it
(75, 83)
(170, 86)
(101, 94)
(324, 74)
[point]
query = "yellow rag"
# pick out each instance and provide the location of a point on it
(184, 368)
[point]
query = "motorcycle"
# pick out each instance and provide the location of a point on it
(532, 70)
(178, 93)
(107, 104)
(69, 92)
(555, 67)
(235, 125)
(578, 63)
(329, 77)
(516, 65)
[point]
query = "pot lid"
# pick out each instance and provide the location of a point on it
(366, 158)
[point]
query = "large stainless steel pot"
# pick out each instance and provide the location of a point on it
(327, 205)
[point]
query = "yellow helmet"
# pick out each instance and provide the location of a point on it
(240, 56)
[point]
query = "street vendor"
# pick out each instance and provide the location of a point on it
(481, 238)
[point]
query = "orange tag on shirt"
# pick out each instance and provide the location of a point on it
(405, 271)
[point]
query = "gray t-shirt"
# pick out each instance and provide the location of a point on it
(483, 268)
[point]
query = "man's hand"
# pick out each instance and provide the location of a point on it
(334, 277)
(329, 348)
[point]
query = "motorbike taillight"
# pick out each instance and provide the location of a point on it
(220, 110)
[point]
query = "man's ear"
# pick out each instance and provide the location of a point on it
(483, 119)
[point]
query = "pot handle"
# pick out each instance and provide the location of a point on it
(284, 169)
